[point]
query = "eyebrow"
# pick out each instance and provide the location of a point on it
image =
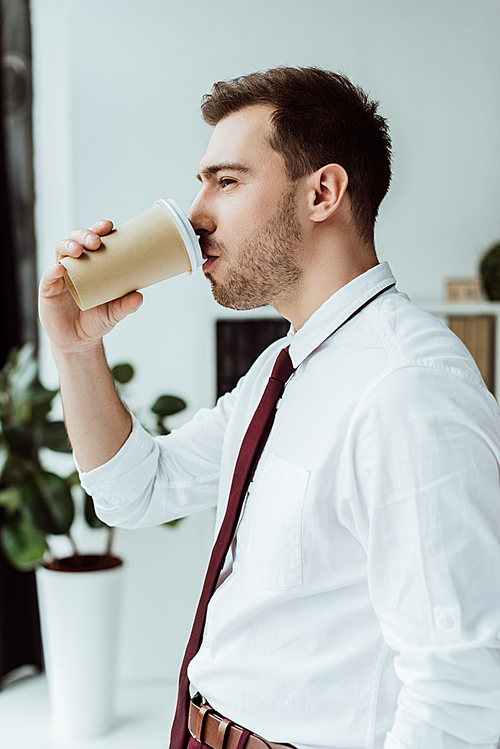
(210, 171)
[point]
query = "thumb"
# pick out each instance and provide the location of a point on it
(126, 305)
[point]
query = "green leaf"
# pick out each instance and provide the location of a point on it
(23, 374)
(40, 401)
(36, 405)
(39, 395)
(53, 434)
(4, 400)
(489, 269)
(22, 392)
(19, 439)
(48, 498)
(16, 470)
(4, 455)
(90, 516)
(11, 498)
(172, 523)
(73, 479)
(23, 543)
(40, 412)
(122, 373)
(166, 405)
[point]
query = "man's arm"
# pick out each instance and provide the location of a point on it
(425, 456)
(98, 423)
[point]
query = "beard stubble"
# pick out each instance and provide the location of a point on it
(267, 266)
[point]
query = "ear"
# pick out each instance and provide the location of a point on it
(327, 190)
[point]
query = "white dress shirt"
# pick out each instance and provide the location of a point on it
(360, 605)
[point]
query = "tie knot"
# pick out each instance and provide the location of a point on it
(283, 366)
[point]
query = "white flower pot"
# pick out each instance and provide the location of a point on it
(80, 613)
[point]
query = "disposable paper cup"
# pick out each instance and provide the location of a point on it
(158, 244)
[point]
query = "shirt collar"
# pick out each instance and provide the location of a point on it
(337, 309)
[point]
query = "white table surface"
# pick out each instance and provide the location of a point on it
(144, 712)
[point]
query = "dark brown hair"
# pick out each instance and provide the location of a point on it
(319, 118)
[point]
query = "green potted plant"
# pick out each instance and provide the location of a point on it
(79, 612)
(489, 268)
(35, 503)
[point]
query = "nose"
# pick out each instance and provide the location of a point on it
(200, 215)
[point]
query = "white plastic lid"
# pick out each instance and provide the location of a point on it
(186, 231)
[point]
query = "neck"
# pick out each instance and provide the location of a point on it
(330, 266)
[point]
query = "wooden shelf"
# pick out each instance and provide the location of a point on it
(446, 310)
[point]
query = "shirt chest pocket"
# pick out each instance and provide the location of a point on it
(273, 537)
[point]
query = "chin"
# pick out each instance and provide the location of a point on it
(230, 300)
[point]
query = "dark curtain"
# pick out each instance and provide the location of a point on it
(20, 643)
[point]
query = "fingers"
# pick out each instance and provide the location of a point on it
(102, 227)
(52, 280)
(83, 239)
(78, 241)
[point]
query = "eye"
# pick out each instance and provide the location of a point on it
(225, 181)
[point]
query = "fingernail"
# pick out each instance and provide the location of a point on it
(72, 245)
(90, 238)
(101, 223)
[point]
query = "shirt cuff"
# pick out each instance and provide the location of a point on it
(108, 483)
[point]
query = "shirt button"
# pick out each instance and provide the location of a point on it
(446, 622)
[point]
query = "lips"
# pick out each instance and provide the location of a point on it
(209, 248)
(210, 260)
(210, 256)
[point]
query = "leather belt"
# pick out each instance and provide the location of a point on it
(217, 732)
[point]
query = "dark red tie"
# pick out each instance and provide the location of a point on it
(250, 452)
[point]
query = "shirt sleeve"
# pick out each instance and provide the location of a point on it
(424, 454)
(153, 480)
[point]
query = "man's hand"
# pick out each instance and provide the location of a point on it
(69, 329)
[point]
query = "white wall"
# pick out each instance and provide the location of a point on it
(117, 91)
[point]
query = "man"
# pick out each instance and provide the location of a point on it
(359, 603)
